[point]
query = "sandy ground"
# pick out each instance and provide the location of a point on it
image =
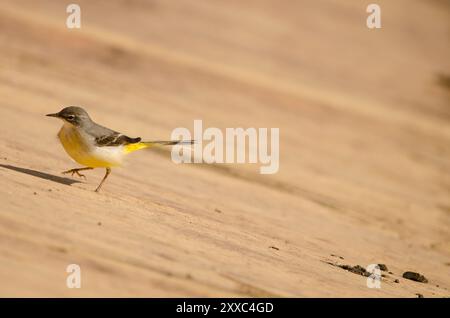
(365, 148)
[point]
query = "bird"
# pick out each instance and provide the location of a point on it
(95, 146)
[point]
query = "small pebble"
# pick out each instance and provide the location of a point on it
(415, 277)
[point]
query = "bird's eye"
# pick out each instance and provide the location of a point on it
(70, 117)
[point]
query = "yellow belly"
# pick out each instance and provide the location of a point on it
(78, 149)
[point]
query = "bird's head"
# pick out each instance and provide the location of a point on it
(73, 115)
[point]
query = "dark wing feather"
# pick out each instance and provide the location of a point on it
(115, 139)
(105, 137)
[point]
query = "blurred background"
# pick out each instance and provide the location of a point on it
(363, 115)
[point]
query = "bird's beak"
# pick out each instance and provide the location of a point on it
(53, 115)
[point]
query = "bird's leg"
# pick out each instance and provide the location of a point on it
(108, 171)
(77, 171)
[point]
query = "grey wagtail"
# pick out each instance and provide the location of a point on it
(95, 146)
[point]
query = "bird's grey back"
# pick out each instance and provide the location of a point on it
(96, 130)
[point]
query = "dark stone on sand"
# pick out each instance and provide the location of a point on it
(415, 277)
(357, 269)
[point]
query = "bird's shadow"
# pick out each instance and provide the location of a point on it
(41, 175)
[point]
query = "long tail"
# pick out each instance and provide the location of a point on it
(168, 143)
(147, 144)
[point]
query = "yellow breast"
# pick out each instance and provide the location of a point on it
(83, 150)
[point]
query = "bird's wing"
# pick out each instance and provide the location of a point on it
(115, 139)
(105, 137)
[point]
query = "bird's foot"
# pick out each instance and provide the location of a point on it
(75, 171)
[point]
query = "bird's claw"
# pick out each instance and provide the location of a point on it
(75, 171)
